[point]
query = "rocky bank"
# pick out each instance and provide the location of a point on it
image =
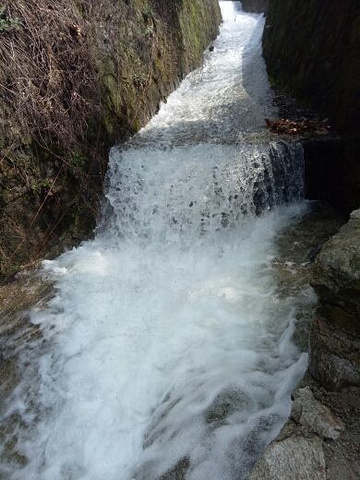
(321, 440)
(334, 337)
(310, 50)
(75, 78)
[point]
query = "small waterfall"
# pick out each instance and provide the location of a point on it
(159, 195)
(166, 351)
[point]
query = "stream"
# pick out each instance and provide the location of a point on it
(166, 349)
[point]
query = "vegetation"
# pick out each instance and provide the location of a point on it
(8, 23)
(76, 77)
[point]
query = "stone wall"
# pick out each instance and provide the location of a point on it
(332, 170)
(81, 76)
(312, 49)
(255, 6)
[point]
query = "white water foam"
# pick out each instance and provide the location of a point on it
(166, 343)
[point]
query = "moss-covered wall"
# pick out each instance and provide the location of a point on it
(85, 75)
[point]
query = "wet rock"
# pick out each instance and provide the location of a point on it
(178, 472)
(334, 354)
(338, 265)
(294, 457)
(316, 417)
(322, 436)
(334, 337)
(299, 448)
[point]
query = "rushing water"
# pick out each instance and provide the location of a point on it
(166, 349)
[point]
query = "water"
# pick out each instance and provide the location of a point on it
(167, 350)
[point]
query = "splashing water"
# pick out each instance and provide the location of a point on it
(166, 350)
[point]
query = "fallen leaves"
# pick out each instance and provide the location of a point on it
(302, 126)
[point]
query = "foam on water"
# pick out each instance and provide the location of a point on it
(167, 345)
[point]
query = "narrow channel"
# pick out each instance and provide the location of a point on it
(166, 351)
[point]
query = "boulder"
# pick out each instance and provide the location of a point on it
(335, 332)
(316, 417)
(295, 457)
(298, 451)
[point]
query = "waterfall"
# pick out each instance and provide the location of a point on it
(166, 349)
(184, 193)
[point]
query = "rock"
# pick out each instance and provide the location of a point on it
(334, 336)
(314, 443)
(337, 268)
(310, 413)
(317, 63)
(295, 458)
(334, 355)
(315, 432)
(298, 451)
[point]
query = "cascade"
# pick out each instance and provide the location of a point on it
(166, 349)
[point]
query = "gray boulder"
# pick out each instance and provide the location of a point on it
(335, 332)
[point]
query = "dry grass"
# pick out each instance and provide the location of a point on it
(47, 76)
(48, 91)
(75, 77)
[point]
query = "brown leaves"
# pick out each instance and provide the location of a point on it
(300, 127)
